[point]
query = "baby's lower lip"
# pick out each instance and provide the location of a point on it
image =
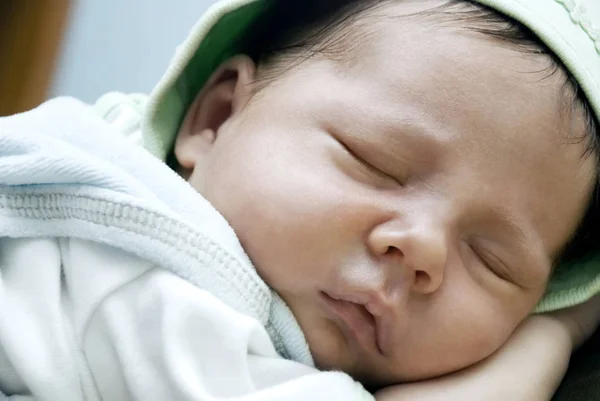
(357, 322)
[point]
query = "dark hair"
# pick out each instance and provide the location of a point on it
(290, 32)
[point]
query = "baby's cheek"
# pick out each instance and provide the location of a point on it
(452, 338)
(327, 345)
(481, 344)
(482, 330)
(476, 318)
(478, 341)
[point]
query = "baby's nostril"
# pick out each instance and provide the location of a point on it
(422, 279)
(392, 250)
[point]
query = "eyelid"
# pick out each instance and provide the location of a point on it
(367, 164)
(498, 267)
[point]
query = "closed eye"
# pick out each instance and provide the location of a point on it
(492, 263)
(369, 168)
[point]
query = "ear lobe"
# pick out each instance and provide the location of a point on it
(223, 97)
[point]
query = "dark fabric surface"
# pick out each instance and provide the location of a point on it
(582, 382)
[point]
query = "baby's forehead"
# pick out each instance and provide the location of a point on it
(351, 36)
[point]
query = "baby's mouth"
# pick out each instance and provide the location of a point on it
(357, 320)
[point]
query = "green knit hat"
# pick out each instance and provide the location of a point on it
(570, 28)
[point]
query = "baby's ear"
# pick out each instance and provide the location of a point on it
(222, 97)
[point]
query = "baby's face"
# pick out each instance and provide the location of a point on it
(407, 207)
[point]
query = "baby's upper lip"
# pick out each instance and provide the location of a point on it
(384, 324)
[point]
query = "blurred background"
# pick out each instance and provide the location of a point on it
(84, 48)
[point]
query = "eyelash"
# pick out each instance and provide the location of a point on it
(377, 171)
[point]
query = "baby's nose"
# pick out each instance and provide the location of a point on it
(412, 257)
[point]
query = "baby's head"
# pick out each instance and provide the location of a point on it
(405, 174)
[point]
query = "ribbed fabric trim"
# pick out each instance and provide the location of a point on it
(284, 333)
(149, 225)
